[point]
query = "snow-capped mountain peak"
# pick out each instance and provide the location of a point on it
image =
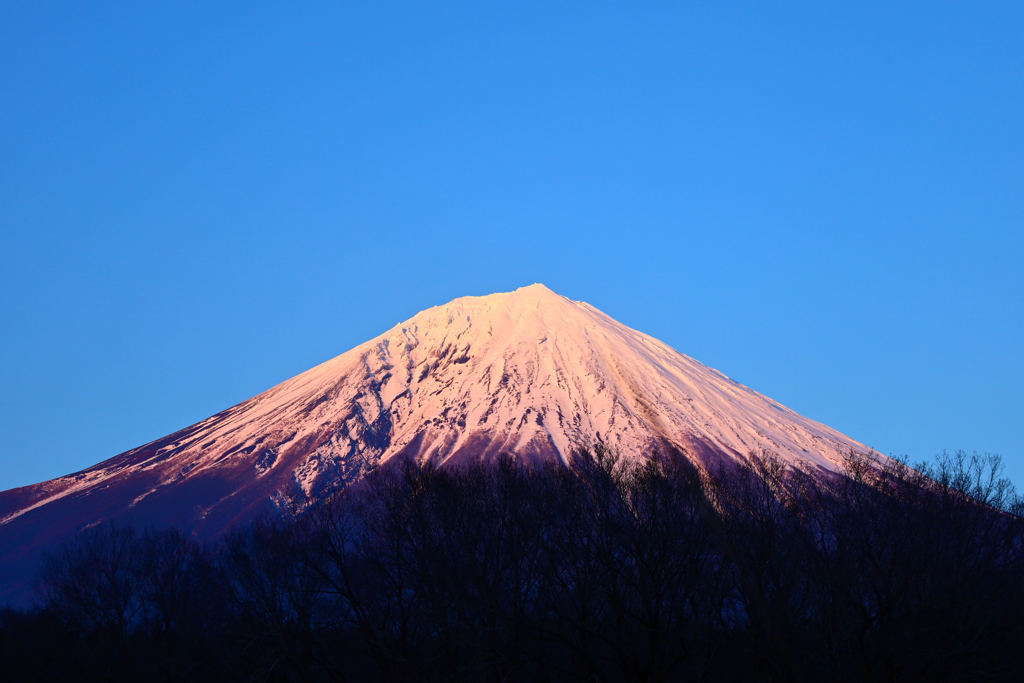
(528, 372)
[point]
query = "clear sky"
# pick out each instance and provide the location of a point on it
(199, 200)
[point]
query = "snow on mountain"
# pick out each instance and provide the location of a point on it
(527, 372)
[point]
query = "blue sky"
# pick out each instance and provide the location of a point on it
(825, 201)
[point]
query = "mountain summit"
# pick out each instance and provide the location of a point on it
(527, 372)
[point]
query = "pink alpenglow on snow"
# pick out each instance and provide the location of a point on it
(527, 372)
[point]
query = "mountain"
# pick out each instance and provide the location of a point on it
(527, 372)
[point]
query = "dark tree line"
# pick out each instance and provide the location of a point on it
(609, 570)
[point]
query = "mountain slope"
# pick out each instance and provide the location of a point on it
(528, 372)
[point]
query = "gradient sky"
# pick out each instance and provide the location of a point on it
(825, 201)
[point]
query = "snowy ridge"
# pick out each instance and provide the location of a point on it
(527, 372)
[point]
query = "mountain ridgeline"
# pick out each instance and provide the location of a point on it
(528, 372)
